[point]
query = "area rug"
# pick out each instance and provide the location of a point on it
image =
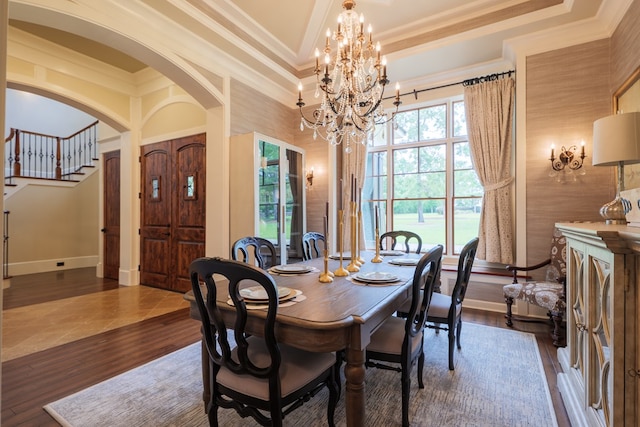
(498, 381)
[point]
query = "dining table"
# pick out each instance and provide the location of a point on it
(327, 317)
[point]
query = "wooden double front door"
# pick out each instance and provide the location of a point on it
(172, 218)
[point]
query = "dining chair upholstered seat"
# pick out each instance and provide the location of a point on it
(447, 309)
(254, 250)
(401, 237)
(310, 245)
(259, 377)
(401, 340)
(548, 293)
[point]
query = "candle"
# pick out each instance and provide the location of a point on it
(397, 91)
(377, 219)
(325, 226)
(582, 148)
(328, 36)
(352, 191)
(299, 91)
(355, 189)
(370, 35)
(361, 23)
(552, 151)
(317, 60)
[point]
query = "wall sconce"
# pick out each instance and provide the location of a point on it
(310, 177)
(567, 158)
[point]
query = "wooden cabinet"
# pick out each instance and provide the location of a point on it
(267, 192)
(600, 377)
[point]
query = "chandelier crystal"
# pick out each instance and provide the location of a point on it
(350, 83)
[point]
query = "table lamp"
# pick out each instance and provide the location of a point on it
(616, 142)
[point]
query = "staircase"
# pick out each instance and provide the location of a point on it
(38, 156)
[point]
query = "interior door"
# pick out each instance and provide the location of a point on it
(172, 232)
(188, 230)
(155, 215)
(111, 215)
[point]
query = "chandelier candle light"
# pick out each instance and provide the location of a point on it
(351, 84)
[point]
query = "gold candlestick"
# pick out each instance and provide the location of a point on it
(360, 260)
(377, 258)
(353, 265)
(325, 277)
(341, 271)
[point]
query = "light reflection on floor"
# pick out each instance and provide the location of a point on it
(33, 328)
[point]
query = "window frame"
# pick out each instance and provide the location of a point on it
(388, 147)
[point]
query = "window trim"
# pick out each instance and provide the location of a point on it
(389, 147)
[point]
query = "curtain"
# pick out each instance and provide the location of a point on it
(353, 166)
(489, 110)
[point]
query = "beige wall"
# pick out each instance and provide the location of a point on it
(252, 111)
(567, 90)
(49, 224)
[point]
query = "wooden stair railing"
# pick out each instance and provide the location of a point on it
(36, 155)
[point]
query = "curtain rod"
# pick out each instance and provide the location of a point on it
(468, 82)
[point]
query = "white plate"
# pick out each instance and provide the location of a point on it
(391, 253)
(404, 261)
(291, 268)
(345, 256)
(258, 293)
(376, 276)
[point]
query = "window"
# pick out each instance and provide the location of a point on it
(421, 177)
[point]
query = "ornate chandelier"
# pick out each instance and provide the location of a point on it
(351, 83)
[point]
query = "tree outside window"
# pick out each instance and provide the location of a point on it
(422, 179)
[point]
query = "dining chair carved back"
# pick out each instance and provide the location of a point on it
(447, 309)
(254, 250)
(401, 340)
(259, 377)
(399, 237)
(310, 247)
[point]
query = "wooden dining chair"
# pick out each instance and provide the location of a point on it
(401, 340)
(259, 377)
(447, 309)
(406, 237)
(310, 248)
(256, 250)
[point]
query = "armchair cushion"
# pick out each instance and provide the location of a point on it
(548, 295)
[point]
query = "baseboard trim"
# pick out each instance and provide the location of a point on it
(43, 266)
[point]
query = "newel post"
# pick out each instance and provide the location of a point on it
(16, 147)
(58, 169)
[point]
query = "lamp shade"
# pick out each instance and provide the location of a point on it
(616, 139)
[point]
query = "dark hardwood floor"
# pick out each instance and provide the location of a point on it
(30, 382)
(43, 287)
